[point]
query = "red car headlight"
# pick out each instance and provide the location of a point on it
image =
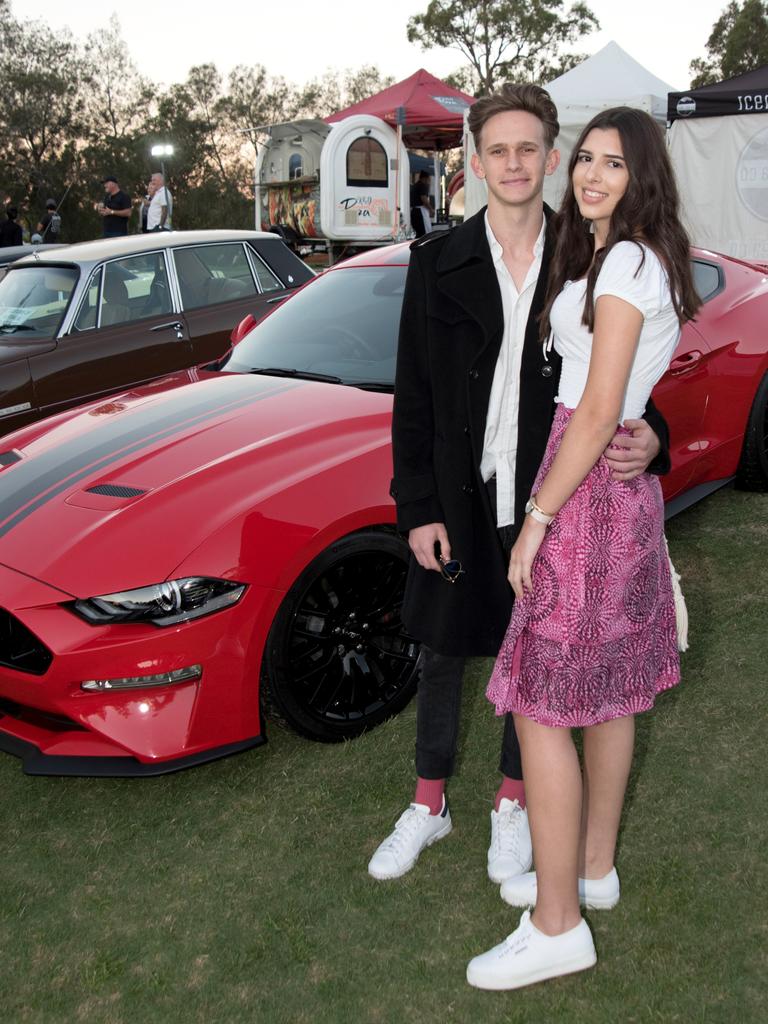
(161, 604)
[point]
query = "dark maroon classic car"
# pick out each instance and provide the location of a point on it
(80, 321)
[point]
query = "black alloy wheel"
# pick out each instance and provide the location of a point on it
(752, 474)
(338, 659)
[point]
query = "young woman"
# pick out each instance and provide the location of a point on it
(592, 637)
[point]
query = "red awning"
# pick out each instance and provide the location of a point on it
(434, 111)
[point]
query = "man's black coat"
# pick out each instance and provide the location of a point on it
(450, 335)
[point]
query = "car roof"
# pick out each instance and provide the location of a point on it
(9, 253)
(130, 245)
(397, 254)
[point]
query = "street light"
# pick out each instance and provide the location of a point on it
(161, 150)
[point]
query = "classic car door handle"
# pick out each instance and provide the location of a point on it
(685, 362)
(172, 325)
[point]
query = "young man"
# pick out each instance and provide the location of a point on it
(49, 227)
(474, 400)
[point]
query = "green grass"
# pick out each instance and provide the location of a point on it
(238, 891)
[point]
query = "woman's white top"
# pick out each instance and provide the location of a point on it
(644, 284)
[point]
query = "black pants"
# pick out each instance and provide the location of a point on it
(438, 705)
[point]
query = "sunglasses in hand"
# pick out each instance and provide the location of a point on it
(450, 569)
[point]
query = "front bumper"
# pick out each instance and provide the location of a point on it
(56, 728)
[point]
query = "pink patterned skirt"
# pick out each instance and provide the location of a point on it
(596, 639)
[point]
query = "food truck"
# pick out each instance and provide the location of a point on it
(334, 187)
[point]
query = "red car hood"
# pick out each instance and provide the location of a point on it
(119, 493)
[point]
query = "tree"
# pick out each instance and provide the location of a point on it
(504, 39)
(41, 82)
(738, 43)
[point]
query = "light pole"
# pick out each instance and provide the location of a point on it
(162, 150)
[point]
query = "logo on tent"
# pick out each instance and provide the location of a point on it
(686, 105)
(752, 175)
(453, 104)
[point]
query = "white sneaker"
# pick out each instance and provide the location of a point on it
(415, 829)
(594, 893)
(528, 955)
(510, 852)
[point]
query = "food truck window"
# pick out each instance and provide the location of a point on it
(367, 163)
(295, 166)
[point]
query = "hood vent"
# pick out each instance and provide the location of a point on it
(115, 491)
(8, 458)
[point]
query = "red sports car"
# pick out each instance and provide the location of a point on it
(176, 557)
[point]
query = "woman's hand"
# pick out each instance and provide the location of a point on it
(523, 554)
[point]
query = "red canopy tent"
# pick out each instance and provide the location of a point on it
(434, 111)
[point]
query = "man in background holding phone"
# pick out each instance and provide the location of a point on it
(115, 209)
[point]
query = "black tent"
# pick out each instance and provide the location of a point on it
(744, 94)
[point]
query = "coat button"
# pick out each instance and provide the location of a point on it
(474, 374)
(466, 429)
(467, 489)
(546, 370)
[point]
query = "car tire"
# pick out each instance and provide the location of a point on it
(338, 659)
(752, 474)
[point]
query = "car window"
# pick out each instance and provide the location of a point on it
(209, 274)
(134, 288)
(267, 280)
(33, 300)
(344, 323)
(708, 279)
(87, 315)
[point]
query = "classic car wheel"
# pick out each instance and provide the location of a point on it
(338, 659)
(753, 468)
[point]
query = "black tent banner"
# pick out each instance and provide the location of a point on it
(744, 94)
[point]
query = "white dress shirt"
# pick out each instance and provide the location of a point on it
(160, 199)
(500, 445)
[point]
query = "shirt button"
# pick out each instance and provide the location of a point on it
(546, 370)
(474, 374)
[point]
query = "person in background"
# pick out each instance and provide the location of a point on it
(49, 227)
(10, 231)
(422, 210)
(160, 205)
(145, 205)
(115, 209)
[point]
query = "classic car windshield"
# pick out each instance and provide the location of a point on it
(33, 300)
(344, 324)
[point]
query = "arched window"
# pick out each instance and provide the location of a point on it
(295, 166)
(367, 163)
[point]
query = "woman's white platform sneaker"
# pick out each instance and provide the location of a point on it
(594, 893)
(528, 956)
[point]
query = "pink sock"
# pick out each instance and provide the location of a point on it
(511, 789)
(430, 792)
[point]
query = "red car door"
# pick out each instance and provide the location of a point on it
(682, 395)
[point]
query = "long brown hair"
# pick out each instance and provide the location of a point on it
(648, 212)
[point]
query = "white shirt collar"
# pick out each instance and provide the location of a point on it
(495, 246)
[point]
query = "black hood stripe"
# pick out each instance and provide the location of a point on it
(35, 481)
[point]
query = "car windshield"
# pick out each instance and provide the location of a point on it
(343, 325)
(33, 300)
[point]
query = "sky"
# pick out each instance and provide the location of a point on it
(300, 40)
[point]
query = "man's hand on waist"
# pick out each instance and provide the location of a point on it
(422, 541)
(629, 455)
